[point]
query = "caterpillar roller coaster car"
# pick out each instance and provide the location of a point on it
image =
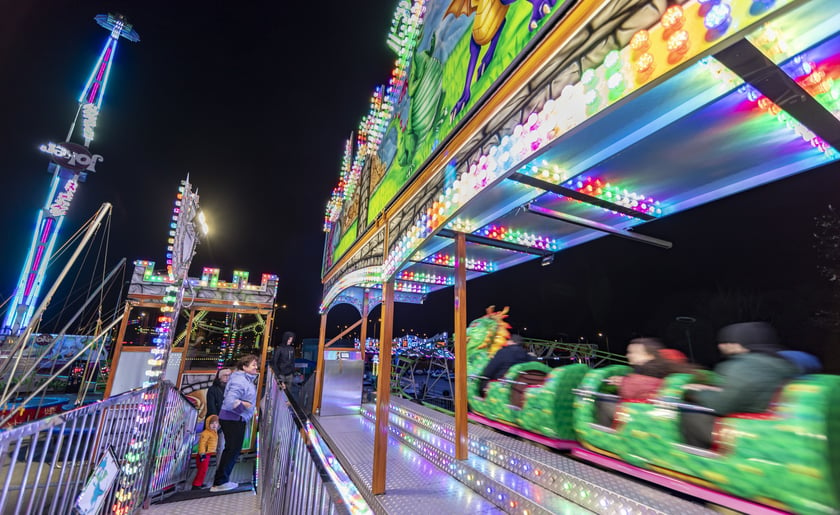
(787, 457)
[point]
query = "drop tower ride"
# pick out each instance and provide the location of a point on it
(70, 164)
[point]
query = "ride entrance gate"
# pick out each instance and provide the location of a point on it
(220, 321)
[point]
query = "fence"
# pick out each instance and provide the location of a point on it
(46, 463)
(297, 473)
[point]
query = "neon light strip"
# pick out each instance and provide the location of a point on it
(101, 72)
(339, 477)
(93, 72)
(107, 74)
(39, 277)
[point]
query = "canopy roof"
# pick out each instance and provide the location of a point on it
(754, 107)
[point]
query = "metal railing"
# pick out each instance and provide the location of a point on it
(297, 473)
(173, 447)
(45, 464)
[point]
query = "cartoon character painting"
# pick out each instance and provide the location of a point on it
(426, 111)
(486, 28)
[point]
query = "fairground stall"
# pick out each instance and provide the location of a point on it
(510, 131)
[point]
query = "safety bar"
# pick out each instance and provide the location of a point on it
(661, 402)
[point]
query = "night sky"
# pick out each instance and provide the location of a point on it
(255, 104)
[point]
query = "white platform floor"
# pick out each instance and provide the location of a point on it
(245, 503)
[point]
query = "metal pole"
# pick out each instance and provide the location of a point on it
(92, 228)
(62, 369)
(64, 329)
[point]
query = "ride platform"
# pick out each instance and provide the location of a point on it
(501, 475)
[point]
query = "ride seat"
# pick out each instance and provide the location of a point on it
(526, 379)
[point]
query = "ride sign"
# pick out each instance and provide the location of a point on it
(71, 156)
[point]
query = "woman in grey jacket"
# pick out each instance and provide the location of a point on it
(237, 410)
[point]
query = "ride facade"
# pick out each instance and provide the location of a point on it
(510, 131)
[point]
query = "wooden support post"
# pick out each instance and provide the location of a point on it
(267, 329)
(461, 436)
(319, 368)
(383, 389)
(363, 335)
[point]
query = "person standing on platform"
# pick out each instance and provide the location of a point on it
(284, 359)
(207, 442)
(216, 392)
(215, 396)
(237, 411)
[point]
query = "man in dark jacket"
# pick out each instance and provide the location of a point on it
(215, 396)
(749, 378)
(284, 359)
(216, 392)
(506, 357)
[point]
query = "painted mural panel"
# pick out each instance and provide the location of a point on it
(450, 53)
(464, 47)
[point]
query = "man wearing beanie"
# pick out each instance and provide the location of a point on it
(749, 378)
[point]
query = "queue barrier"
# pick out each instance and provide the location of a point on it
(46, 463)
(297, 472)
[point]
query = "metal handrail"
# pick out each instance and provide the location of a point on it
(297, 472)
(46, 463)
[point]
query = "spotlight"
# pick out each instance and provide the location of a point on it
(547, 260)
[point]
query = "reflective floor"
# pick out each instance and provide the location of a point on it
(413, 485)
(246, 503)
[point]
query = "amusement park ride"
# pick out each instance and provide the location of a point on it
(70, 165)
(511, 131)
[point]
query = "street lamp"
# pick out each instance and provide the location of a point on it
(606, 340)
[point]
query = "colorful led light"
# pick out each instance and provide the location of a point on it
(403, 39)
(673, 19)
(598, 87)
(640, 42)
(476, 265)
(421, 277)
(601, 189)
(524, 238)
(718, 19)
